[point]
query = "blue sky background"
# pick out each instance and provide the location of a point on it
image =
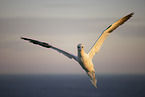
(66, 23)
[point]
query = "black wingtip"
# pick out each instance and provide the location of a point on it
(131, 14)
(31, 40)
(37, 42)
(21, 37)
(24, 38)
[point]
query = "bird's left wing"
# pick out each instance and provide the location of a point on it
(97, 45)
(43, 44)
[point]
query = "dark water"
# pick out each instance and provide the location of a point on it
(71, 86)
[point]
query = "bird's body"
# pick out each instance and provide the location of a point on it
(85, 59)
(86, 63)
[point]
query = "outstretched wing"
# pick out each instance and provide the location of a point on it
(43, 44)
(97, 45)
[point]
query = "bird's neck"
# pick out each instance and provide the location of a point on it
(81, 53)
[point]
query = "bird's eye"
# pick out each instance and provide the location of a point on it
(78, 47)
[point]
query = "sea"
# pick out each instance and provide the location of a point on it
(71, 86)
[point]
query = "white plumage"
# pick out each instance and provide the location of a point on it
(85, 59)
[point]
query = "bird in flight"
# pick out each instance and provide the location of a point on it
(85, 59)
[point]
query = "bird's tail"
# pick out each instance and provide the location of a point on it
(92, 78)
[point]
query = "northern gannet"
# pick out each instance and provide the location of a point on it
(85, 59)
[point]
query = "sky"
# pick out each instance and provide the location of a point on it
(66, 23)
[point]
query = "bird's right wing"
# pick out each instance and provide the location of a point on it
(97, 45)
(43, 44)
